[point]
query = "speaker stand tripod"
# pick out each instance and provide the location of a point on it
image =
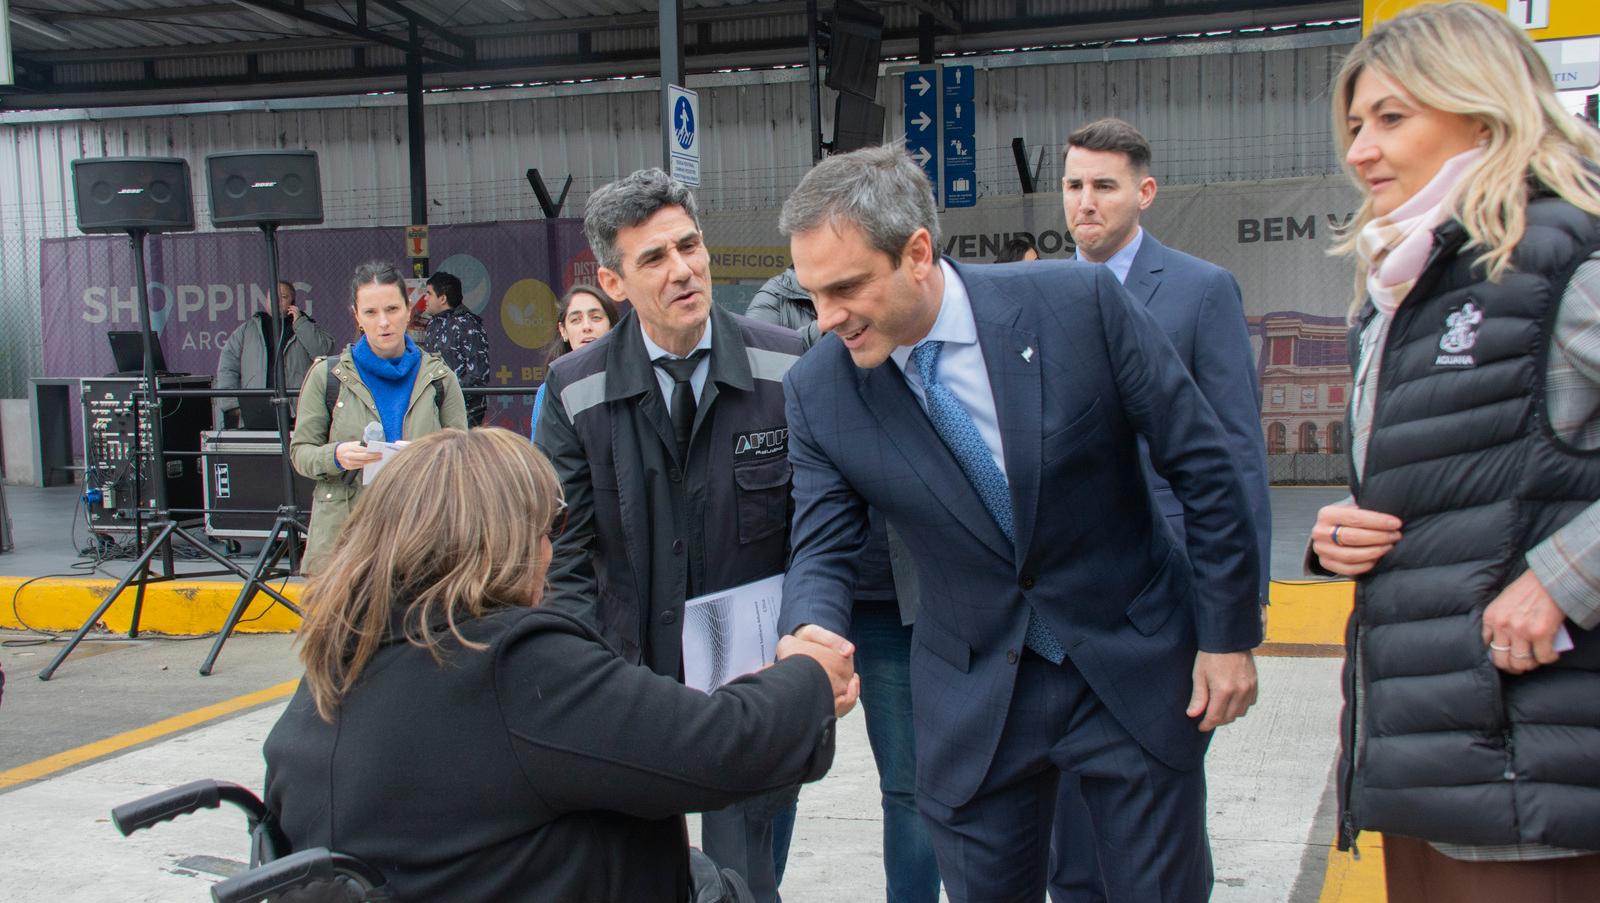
(287, 530)
(166, 528)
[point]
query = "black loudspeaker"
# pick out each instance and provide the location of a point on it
(854, 45)
(115, 194)
(249, 188)
(857, 123)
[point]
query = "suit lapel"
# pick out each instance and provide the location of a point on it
(1144, 277)
(1012, 358)
(891, 401)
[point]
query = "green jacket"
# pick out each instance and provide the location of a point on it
(436, 403)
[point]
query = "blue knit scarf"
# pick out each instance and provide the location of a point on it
(390, 381)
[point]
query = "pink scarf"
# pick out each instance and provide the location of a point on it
(1396, 246)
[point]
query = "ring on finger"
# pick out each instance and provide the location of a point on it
(1335, 537)
(1522, 655)
(1495, 647)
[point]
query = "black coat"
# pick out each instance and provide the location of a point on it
(644, 530)
(541, 768)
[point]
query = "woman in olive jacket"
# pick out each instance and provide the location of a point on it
(383, 378)
(471, 746)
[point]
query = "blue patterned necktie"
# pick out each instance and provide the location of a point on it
(955, 426)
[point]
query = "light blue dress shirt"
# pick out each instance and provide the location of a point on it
(1122, 261)
(664, 379)
(961, 365)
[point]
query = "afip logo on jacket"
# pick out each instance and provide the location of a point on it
(758, 444)
(1461, 333)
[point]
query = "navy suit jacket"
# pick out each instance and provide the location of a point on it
(1079, 372)
(1198, 305)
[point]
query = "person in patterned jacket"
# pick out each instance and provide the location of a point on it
(456, 334)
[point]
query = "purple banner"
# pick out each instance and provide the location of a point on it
(203, 285)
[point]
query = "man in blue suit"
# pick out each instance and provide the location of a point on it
(1106, 184)
(993, 415)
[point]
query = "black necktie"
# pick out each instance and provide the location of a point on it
(683, 403)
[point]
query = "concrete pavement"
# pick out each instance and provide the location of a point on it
(1268, 774)
(124, 718)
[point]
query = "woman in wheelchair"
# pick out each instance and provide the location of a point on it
(471, 746)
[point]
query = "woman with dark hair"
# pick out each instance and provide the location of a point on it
(1019, 248)
(472, 746)
(584, 315)
(1472, 686)
(384, 379)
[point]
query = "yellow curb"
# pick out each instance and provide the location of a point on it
(1309, 613)
(51, 764)
(177, 607)
(1349, 881)
(1302, 614)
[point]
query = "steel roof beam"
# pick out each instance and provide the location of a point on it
(372, 35)
(946, 12)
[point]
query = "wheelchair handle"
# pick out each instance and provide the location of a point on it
(296, 871)
(169, 804)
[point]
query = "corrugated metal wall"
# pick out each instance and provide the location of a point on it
(1241, 110)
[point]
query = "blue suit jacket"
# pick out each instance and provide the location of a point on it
(1198, 305)
(1079, 372)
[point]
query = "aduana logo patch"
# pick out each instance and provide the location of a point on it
(757, 445)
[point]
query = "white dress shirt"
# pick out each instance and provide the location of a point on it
(1122, 261)
(697, 382)
(961, 366)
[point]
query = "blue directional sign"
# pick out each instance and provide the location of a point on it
(922, 120)
(960, 157)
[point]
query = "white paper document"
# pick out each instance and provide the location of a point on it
(387, 450)
(730, 632)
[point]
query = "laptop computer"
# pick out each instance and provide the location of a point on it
(127, 349)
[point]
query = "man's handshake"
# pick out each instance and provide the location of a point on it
(835, 654)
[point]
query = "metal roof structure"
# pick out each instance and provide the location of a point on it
(77, 53)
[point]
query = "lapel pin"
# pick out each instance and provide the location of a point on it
(1027, 354)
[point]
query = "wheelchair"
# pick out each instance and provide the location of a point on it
(275, 874)
(318, 875)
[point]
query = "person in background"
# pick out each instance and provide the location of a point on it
(881, 621)
(669, 437)
(583, 315)
(384, 379)
(1105, 188)
(1019, 248)
(1473, 531)
(781, 300)
(248, 358)
(456, 335)
(471, 745)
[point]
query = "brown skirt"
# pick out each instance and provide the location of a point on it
(1415, 872)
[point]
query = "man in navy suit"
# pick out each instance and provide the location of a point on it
(1105, 186)
(993, 415)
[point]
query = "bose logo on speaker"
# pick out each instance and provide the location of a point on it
(263, 184)
(130, 191)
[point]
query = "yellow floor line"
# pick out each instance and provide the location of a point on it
(1349, 881)
(63, 760)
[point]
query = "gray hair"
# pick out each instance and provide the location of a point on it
(630, 201)
(376, 272)
(879, 189)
